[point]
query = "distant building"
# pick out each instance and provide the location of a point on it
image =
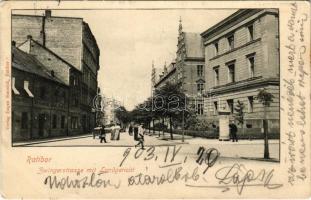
(188, 68)
(241, 57)
(110, 105)
(66, 46)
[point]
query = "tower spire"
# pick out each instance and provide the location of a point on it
(180, 25)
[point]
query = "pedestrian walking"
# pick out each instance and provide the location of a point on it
(131, 130)
(139, 136)
(112, 128)
(233, 132)
(103, 134)
(117, 129)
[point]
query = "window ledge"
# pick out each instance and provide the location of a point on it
(234, 49)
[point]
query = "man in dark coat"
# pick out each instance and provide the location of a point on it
(103, 134)
(233, 132)
(131, 130)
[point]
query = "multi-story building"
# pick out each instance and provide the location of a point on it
(242, 57)
(39, 99)
(110, 105)
(188, 69)
(70, 39)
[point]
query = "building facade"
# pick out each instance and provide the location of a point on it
(242, 57)
(66, 47)
(188, 69)
(39, 99)
(71, 40)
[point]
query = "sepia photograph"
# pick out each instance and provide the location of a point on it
(181, 80)
(155, 100)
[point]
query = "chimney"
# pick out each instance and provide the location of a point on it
(13, 43)
(48, 13)
(29, 37)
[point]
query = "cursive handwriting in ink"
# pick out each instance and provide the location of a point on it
(209, 156)
(149, 154)
(238, 176)
(170, 176)
(87, 181)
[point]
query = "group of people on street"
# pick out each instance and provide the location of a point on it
(135, 130)
(114, 129)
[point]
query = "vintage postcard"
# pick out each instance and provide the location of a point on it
(155, 100)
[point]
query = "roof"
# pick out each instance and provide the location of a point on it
(194, 45)
(28, 63)
(54, 54)
(239, 15)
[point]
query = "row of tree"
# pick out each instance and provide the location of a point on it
(169, 103)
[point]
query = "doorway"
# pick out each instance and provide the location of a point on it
(41, 122)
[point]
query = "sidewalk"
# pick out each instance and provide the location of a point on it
(87, 140)
(245, 149)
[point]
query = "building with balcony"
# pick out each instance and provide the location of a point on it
(242, 57)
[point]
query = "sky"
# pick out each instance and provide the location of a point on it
(129, 40)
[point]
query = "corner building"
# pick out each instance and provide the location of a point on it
(242, 57)
(71, 39)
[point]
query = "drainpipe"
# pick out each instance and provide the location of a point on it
(68, 114)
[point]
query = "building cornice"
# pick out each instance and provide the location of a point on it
(165, 77)
(233, 20)
(244, 84)
(235, 49)
(194, 59)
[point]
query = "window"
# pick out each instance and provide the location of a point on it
(215, 107)
(200, 108)
(62, 124)
(230, 105)
(231, 41)
(75, 81)
(216, 48)
(200, 70)
(200, 87)
(24, 124)
(74, 122)
(250, 32)
(216, 76)
(250, 104)
(54, 121)
(76, 101)
(251, 65)
(42, 92)
(231, 73)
